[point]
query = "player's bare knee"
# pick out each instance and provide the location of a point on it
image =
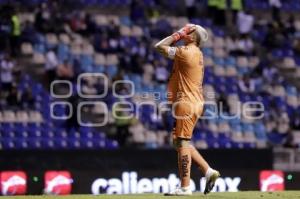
(180, 143)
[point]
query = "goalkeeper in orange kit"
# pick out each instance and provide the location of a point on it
(186, 95)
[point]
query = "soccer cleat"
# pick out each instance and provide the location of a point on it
(179, 192)
(210, 181)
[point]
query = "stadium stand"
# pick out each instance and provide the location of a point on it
(259, 64)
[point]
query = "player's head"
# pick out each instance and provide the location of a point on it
(198, 36)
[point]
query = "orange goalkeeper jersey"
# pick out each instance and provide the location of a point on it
(185, 83)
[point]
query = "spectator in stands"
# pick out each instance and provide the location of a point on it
(275, 37)
(42, 18)
(72, 122)
(275, 5)
(216, 10)
(269, 73)
(113, 30)
(90, 24)
(223, 106)
(15, 33)
(232, 45)
(27, 98)
(283, 123)
(113, 45)
(125, 61)
(289, 27)
(4, 28)
(220, 18)
(14, 98)
(190, 8)
(78, 23)
(161, 73)
(236, 6)
(270, 117)
(101, 42)
(295, 122)
(258, 81)
(242, 45)
(56, 21)
(65, 71)
(121, 89)
(296, 46)
(211, 5)
(51, 64)
(246, 84)
(136, 64)
(142, 49)
(137, 132)
(245, 22)
(7, 68)
(289, 142)
(137, 11)
(245, 45)
(29, 33)
(122, 122)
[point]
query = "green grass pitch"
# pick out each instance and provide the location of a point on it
(238, 195)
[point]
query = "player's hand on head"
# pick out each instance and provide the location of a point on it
(191, 27)
(187, 29)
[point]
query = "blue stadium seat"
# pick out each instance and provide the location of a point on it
(276, 138)
(260, 131)
(230, 61)
(86, 61)
(63, 51)
(111, 70)
(208, 52)
(40, 48)
(7, 144)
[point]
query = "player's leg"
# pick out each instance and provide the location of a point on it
(199, 160)
(182, 147)
(174, 139)
(178, 164)
(196, 156)
(182, 144)
(211, 175)
(184, 161)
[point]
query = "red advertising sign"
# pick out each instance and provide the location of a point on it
(271, 180)
(13, 182)
(58, 182)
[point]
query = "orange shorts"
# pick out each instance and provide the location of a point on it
(186, 116)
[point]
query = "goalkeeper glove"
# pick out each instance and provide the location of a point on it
(187, 29)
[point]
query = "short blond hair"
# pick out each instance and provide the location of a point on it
(202, 35)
